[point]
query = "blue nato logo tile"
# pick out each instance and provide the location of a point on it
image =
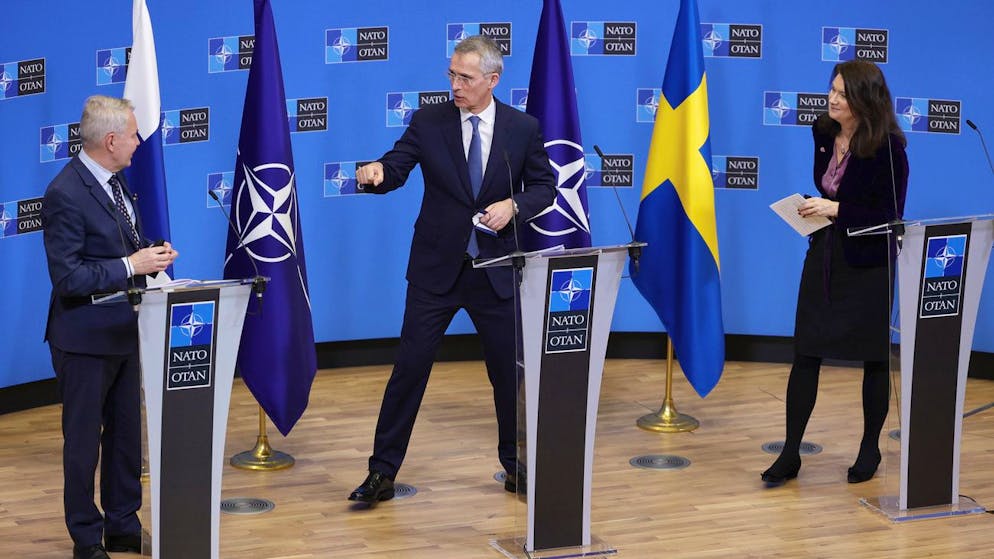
(221, 184)
(112, 65)
(715, 39)
(945, 256)
(912, 113)
(339, 179)
(779, 108)
(519, 98)
(8, 219)
(570, 290)
(400, 107)
(586, 38)
(340, 45)
(59, 141)
(191, 324)
(646, 103)
(838, 44)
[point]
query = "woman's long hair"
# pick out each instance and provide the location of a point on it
(870, 102)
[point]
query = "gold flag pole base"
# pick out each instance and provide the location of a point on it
(668, 419)
(262, 457)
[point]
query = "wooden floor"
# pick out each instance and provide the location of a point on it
(717, 507)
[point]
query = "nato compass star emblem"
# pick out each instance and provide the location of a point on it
(5, 81)
(780, 107)
(839, 44)
(911, 115)
(570, 290)
(270, 212)
(340, 178)
(587, 37)
(191, 325)
(568, 163)
(223, 54)
(110, 68)
(5, 218)
(53, 143)
(461, 35)
(713, 40)
(945, 257)
(402, 109)
(222, 189)
(652, 104)
(341, 46)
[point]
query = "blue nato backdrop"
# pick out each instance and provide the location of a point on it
(355, 72)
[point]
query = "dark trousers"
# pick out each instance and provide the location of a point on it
(100, 416)
(426, 317)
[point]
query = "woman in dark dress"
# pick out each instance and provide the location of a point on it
(843, 304)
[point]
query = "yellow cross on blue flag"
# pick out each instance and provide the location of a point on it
(679, 270)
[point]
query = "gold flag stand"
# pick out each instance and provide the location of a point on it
(262, 457)
(667, 419)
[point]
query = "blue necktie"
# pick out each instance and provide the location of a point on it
(475, 161)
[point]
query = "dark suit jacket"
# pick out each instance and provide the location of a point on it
(441, 232)
(83, 245)
(866, 196)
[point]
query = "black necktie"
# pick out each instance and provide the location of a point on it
(115, 186)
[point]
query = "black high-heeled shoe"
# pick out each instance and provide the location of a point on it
(783, 469)
(861, 471)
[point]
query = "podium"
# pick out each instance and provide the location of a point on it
(566, 301)
(189, 340)
(941, 264)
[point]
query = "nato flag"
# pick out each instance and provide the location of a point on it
(277, 358)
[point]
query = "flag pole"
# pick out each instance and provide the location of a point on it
(667, 419)
(262, 457)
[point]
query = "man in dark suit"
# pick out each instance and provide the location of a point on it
(94, 245)
(471, 150)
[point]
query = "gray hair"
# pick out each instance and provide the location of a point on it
(103, 115)
(491, 60)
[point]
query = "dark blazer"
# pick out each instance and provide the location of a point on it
(867, 195)
(84, 247)
(441, 232)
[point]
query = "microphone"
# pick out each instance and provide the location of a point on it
(134, 295)
(982, 142)
(517, 257)
(634, 251)
(258, 284)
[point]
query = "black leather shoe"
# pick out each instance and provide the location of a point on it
(128, 543)
(89, 552)
(510, 483)
(862, 471)
(782, 470)
(377, 487)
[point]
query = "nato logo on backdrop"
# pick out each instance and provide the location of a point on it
(25, 77)
(356, 44)
(612, 171)
(230, 54)
(58, 142)
(568, 320)
(840, 44)
(732, 40)
(112, 65)
(20, 217)
(191, 345)
(941, 116)
(221, 184)
(401, 105)
(183, 126)
(339, 178)
(519, 98)
(788, 108)
(500, 32)
(646, 103)
(596, 38)
(942, 276)
(735, 172)
(307, 115)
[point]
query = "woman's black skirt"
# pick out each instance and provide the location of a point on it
(843, 312)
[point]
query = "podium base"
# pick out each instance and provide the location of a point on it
(889, 507)
(514, 548)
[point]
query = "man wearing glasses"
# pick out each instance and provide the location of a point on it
(472, 151)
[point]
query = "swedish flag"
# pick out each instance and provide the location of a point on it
(679, 269)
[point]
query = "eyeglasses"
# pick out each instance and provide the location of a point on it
(463, 79)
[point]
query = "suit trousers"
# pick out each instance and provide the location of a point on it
(101, 421)
(426, 317)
